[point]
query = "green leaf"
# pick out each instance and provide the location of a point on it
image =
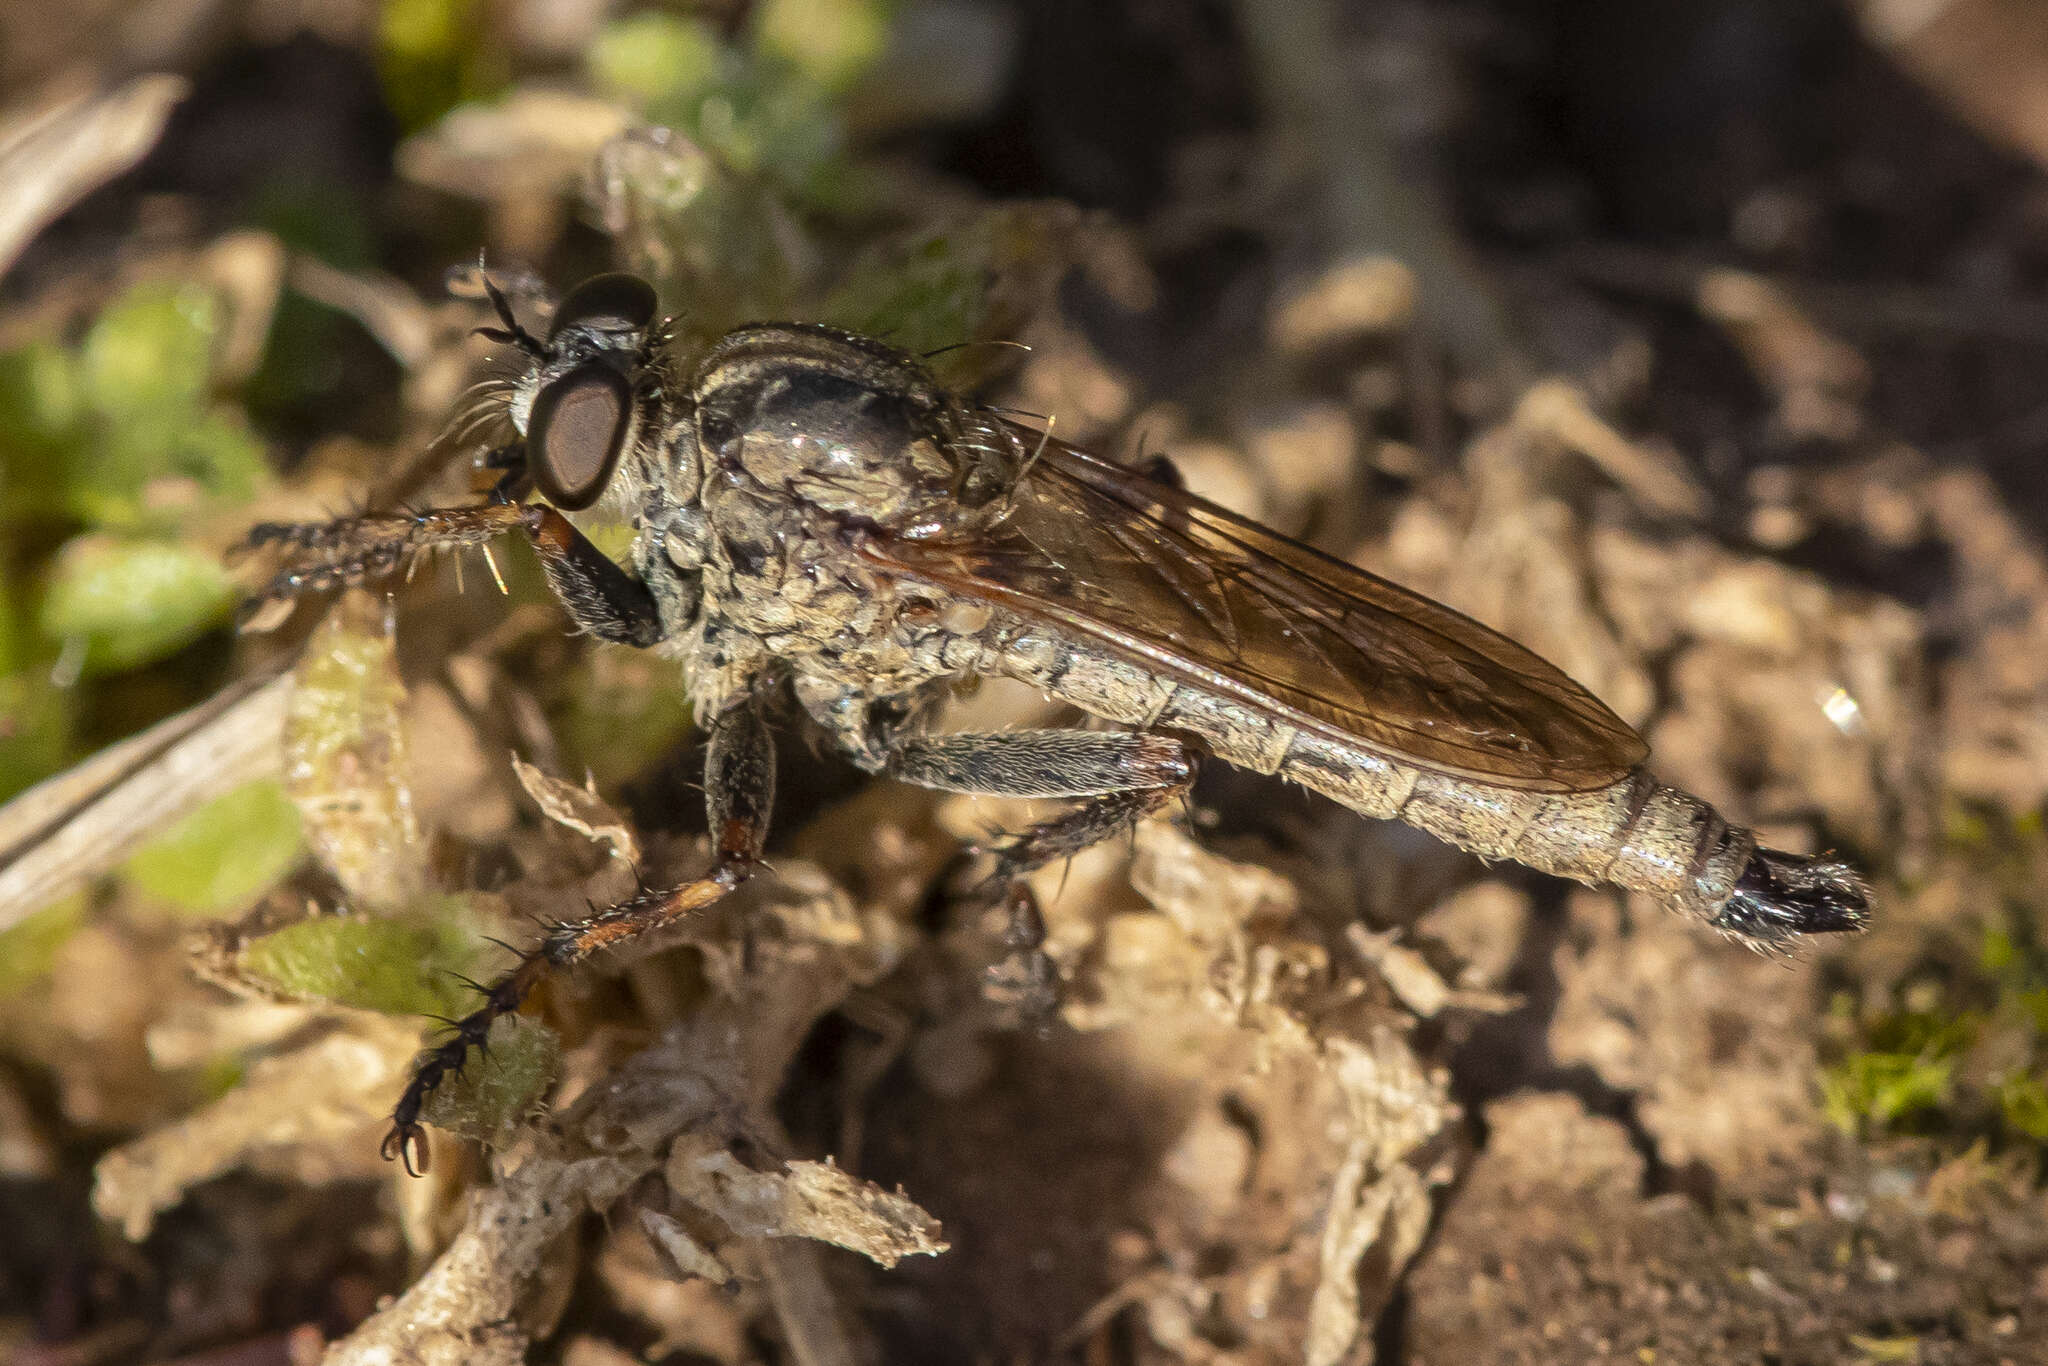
(28, 949)
(322, 218)
(764, 120)
(35, 730)
(145, 374)
(132, 601)
(2032, 1002)
(42, 412)
(1998, 953)
(348, 760)
(2023, 1101)
(400, 965)
(98, 435)
(433, 55)
(151, 350)
(654, 58)
(134, 462)
(35, 714)
(833, 42)
(621, 711)
(492, 1094)
(224, 855)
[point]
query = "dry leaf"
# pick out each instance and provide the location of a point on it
(806, 1200)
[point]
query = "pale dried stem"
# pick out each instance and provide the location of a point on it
(711, 1077)
(804, 1304)
(62, 833)
(52, 157)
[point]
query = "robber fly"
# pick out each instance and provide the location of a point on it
(815, 513)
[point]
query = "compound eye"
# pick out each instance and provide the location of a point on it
(576, 433)
(615, 302)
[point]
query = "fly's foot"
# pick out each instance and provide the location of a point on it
(1025, 982)
(407, 1140)
(739, 771)
(321, 555)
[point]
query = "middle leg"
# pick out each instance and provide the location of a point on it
(739, 792)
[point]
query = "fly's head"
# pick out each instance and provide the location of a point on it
(582, 405)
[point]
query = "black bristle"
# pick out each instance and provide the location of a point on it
(1781, 896)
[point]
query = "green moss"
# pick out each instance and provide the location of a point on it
(980, 278)
(929, 294)
(494, 1092)
(223, 856)
(1904, 1072)
(1884, 1089)
(402, 965)
(1961, 1050)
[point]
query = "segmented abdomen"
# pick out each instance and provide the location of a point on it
(1636, 833)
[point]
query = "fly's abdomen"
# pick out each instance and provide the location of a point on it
(1636, 833)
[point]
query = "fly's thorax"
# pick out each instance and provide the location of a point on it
(842, 426)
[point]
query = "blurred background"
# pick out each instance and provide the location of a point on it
(1698, 344)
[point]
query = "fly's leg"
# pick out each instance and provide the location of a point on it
(602, 598)
(515, 481)
(1128, 774)
(1125, 775)
(1026, 980)
(739, 784)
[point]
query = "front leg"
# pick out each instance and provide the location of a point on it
(601, 597)
(739, 792)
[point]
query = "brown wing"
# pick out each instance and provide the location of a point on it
(1200, 595)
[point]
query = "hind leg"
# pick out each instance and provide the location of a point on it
(1124, 776)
